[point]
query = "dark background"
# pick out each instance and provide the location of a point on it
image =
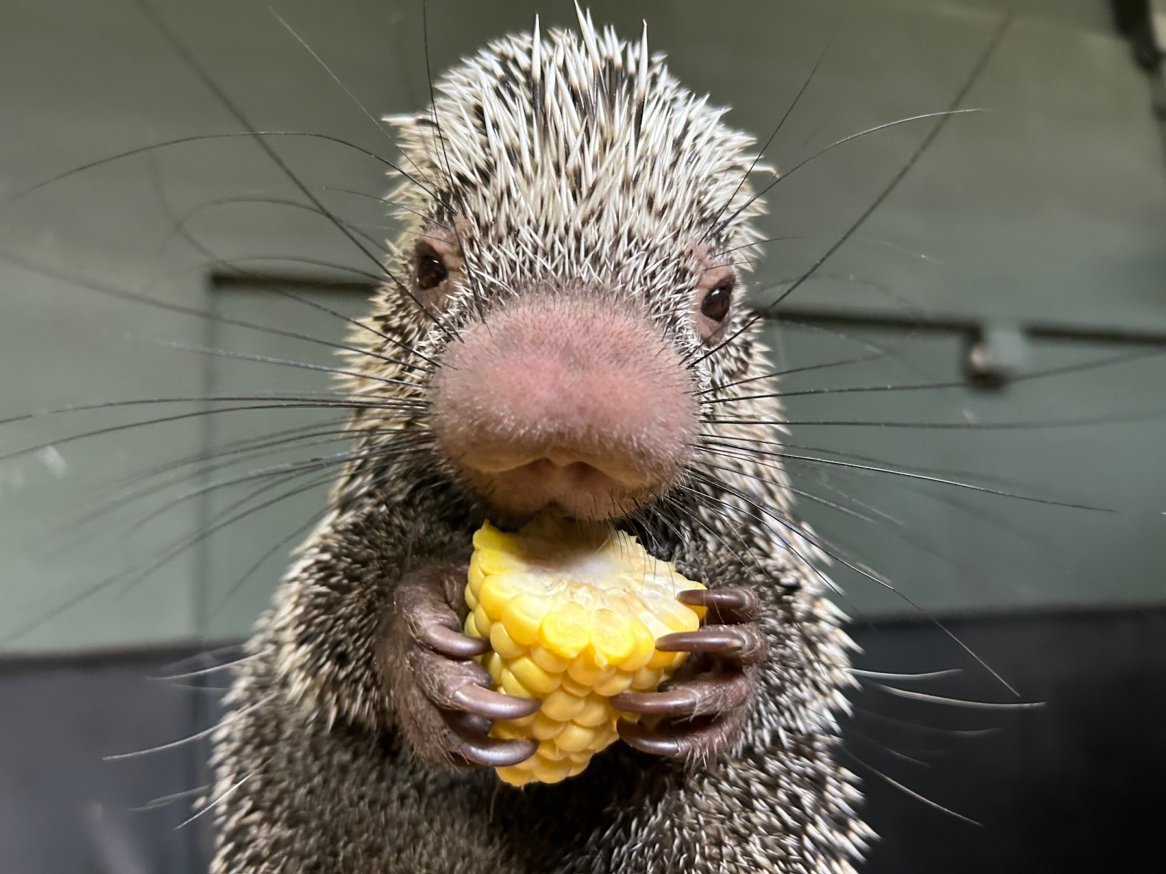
(1072, 786)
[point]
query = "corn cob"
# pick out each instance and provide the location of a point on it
(572, 611)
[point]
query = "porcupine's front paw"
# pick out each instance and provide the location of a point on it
(441, 699)
(700, 712)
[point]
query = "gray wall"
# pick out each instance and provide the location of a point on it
(1045, 213)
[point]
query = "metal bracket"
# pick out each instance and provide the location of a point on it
(996, 354)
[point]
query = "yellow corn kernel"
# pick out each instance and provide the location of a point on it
(532, 677)
(511, 686)
(523, 616)
(572, 611)
(494, 597)
(574, 688)
(506, 729)
(547, 660)
(566, 631)
(515, 776)
(471, 627)
(502, 643)
(474, 581)
(619, 682)
(482, 622)
(495, 665)
(595, 711)
(550, 771)
(646, 678)
(660, 660)
(587, 674)
(562, 705)
(544, 727)
(574, 737)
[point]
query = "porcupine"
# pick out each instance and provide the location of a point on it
(559, 310)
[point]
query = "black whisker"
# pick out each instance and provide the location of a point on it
(159, 562)
(436, 132)
(870, 468)
(179, 223)
(716, 223)
(1031, 425)
(872, 516)
(179, 141)
(287, 362)
(854, 734)
(375, 197)
(841, 142)
(1079, 367)
(909, 792)
(278, 440)
(217, 608)
(376, 123)
(275, 287)
(326, 399)
(124, 294)
(281, 472)
(314, 518)
(857, 568)
(112, 429)
(915, 677)
(956, 702)
(228, 265)
(137, 491)
(233, 108)
(943, 117)
(957, 733)
(861, 359)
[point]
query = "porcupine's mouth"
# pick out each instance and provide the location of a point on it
(594, 489)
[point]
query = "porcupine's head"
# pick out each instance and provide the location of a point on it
(575, 223)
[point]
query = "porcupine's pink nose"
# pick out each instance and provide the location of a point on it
(562, 402)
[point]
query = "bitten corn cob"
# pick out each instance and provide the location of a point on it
(572, 611)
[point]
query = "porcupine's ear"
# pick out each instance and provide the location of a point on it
(413, 134)
(416, 180)
(404, 124)
(765, 171)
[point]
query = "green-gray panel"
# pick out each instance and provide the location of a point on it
(63, 347)
(969, 519)
(1047, 209)
(258, 519)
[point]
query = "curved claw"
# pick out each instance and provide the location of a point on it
(493, 705)
(497, 753)
(452, 643)
(730, 604)
(673, 702)
(741, 642)
(676, 739)
(713, 639)
(466, 723)
(647, 740)
(712, 693)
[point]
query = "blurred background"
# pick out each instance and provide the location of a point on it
(974, 384)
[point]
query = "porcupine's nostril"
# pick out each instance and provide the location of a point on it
(558, 402)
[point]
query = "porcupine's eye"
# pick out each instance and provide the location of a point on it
(715, 305)
(430, 271)
(713, 301)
